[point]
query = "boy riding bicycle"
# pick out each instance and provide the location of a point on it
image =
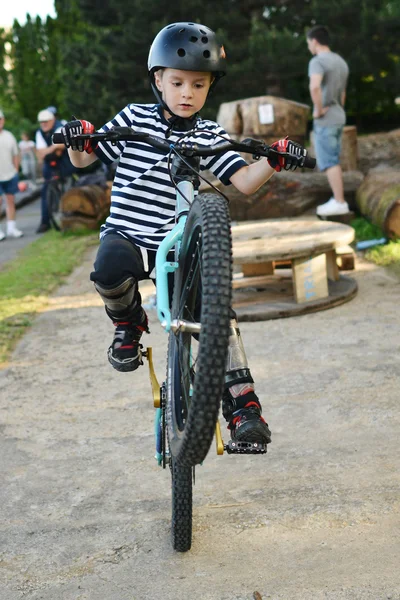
(185, 63)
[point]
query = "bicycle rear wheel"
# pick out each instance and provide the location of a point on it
(197, 362)
(54, 193)
(181, 530)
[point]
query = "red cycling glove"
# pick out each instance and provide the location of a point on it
(286, 162)
(77, 127)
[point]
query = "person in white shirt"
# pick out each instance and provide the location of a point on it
(9, 165)
(53, 157)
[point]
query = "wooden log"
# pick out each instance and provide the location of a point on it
(266, 117)
(70, 222)
(286, 194)
(378, 199)
(89, 200)
(379, 150)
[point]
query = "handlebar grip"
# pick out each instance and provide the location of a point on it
(58, 138)
(309, 162)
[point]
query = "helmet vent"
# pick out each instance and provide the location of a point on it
(181, 52)
(204, 40)
(206, 54)
(182, 30)
(193, 38)
(203, 32)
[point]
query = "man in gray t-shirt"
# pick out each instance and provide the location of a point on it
(328, 74)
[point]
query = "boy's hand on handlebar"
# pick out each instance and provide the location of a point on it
(77, 127)
(286, 162)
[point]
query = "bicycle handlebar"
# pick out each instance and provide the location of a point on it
(125, 134)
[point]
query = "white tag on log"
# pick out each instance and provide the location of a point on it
(266, 114)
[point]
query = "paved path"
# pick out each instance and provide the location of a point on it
(28, 219)
(85, 511)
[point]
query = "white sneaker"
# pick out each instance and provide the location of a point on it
(332, 208)
(2, 236)
(14, 233)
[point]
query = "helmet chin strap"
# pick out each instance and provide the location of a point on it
(175, 122)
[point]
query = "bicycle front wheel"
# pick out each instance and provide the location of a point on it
(197, 362)
(182, 498)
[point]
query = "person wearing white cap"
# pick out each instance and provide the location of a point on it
(54, 157)
(9, 165)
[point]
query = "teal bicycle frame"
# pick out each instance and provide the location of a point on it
(184, 194)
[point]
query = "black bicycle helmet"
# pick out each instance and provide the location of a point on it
(189, 47)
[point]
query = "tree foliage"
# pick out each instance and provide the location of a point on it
(92, 59)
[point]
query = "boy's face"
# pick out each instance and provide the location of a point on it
(184, 92)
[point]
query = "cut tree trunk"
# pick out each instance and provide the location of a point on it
(86, 205)
(286, 194)
(266, 117)
(378, 199)
(379, 150)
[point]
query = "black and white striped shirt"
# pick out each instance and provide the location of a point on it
(143, 197)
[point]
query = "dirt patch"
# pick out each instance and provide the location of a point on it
(86, 510)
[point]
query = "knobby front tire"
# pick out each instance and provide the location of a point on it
(196, 363)
(181, 528)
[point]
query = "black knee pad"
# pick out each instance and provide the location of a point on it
(122, 300)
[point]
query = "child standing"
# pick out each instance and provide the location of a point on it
(185, 63)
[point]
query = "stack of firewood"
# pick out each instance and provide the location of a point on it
(85, 206)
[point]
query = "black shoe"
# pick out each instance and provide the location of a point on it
(43, 227)
(247, 425)
(125, 352)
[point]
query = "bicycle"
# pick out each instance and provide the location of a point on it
(198, 321)
(56, 188)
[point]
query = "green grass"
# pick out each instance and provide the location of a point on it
(384, 256)
(27, 281)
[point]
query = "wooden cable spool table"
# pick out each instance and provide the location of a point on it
(308, 247)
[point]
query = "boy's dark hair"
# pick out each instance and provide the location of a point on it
(319, 33)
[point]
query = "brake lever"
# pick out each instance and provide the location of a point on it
(255, 145)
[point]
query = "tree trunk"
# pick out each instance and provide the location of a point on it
(266, 117)
(378, 199)
(379, 150)
(86, 205)
(286, 194)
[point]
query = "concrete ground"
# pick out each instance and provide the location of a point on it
(28, 220)
(85, 510)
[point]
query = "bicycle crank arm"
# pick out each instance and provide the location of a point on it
(178, 325)
(155, 386)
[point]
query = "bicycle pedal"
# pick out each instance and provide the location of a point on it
(233, 447)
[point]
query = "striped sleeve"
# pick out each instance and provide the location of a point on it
(107, 152)
(224, 165)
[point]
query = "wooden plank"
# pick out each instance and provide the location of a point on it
(310, 278)
(346, 258)
(331, 265)
(254, 269)
(280, 239)
(252, 282)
